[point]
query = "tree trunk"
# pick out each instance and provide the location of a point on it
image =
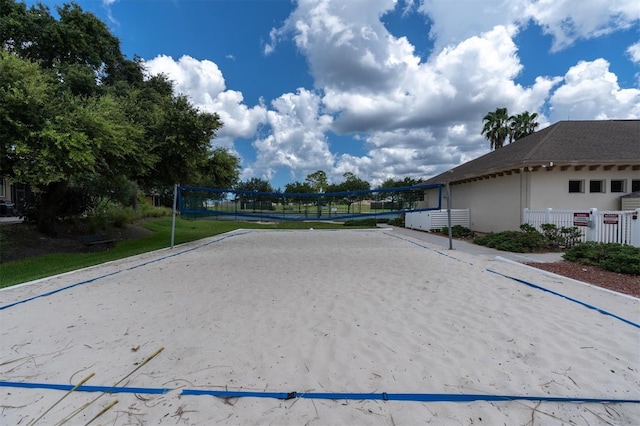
(48, 206)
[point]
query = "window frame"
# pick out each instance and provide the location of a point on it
(580, 186)
(622, 188)
(601, 186)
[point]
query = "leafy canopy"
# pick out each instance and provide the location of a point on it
(72, 106)
(500, 126)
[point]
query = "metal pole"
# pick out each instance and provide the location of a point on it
(449, 217)
(173, 219)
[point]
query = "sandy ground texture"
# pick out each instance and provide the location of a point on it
(321, 312)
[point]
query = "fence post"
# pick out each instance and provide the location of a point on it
(547, 215)
(634, 239)
(592, 229)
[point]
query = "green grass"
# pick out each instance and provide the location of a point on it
(20, 271)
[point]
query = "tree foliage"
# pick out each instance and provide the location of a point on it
(351, 183)
(522, 125)
(298, 188)
(317, 181)
(500, 126)
(496, 127)
(254, 184)
(72, 106)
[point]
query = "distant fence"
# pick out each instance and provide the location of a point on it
(436, 219)
(618, 226)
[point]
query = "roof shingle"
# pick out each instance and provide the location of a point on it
(564, 143)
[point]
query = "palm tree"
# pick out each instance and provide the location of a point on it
(496, 127)
(522, 125)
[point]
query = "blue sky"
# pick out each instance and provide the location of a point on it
(381, 88)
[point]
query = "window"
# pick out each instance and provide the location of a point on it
(618, 185)
(635, 185)
(576, 186)
(596, 186)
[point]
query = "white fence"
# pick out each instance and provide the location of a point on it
(436, 219)
(619, 226)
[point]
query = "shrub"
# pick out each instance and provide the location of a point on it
(398, 221)
(119, 217)
(560, 237)
(371, 221)
(514, 241)
(613, 257)
(361, 222)
(458, 231)
(525, 227)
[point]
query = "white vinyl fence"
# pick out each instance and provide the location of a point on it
(436, 219)
(619, 226)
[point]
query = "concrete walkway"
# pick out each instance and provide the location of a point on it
(476, 249)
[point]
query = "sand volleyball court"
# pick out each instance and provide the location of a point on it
(345, 327)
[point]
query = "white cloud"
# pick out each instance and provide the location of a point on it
(107, 5)
(297, 138)
(567, 22)
(446, 95)
(413, 118)
(423, 117)
(201, 80)
(634, 52)
(455, 21)
(204, 84)
(591, 91)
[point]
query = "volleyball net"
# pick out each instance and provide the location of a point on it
(279, 206)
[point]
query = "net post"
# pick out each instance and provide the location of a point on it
(173, 219)
(448, 195)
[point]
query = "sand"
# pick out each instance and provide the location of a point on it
(347, 311)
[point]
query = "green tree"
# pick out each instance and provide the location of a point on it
(392, 183)
(71, 105)
(496, 127)
(249, 199)
(522, 125)
(221, 170)
(404, 196)
(299, 188)
(317, 181)
(351, 183)
(49, 136)
(77, 37)
(254, 184)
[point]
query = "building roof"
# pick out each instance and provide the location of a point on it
(606, 143)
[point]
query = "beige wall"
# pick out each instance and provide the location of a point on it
(496, 204)
(551, 189)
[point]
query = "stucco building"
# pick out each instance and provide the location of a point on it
(569, 165)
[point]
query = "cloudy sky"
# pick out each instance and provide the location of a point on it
(381, 88)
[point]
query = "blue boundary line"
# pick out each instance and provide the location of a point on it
(571, 299)
(428, 248)
(521, 281)
(380, 396)
(49, 293)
